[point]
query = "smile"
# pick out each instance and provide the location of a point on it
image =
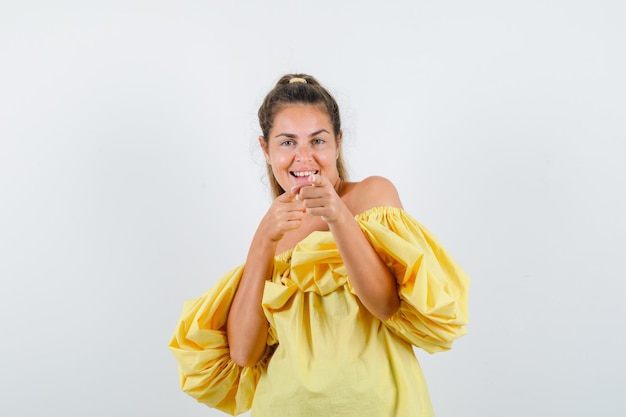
(303, 174)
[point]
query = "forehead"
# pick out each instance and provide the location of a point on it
(302, 117)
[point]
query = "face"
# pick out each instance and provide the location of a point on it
(302, 143)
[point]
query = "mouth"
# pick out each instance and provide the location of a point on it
(302, 175)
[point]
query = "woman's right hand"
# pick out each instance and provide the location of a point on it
(285, 214)
(247, 325)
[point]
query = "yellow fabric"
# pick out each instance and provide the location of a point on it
(327, 355)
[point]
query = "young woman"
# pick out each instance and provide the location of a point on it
(339, 284)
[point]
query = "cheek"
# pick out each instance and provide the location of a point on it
(327, 158)
(280, 159)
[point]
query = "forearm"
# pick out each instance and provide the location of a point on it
(247, 326)
(372, 280)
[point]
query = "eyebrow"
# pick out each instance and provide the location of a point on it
(291, 135)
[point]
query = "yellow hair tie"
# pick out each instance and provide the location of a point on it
(297, 80)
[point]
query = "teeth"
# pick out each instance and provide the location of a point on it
(304, 173)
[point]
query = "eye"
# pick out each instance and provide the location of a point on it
(288, 142)
(318, 141)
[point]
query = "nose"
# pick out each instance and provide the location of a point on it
(303, 153)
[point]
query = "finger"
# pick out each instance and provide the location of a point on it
(286, 197)
(296, 206)
(295, 190)
(293, 218)
(321, 189)
(317, 180)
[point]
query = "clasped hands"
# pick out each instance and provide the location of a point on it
(316, 197)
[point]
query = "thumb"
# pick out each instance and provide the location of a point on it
(286, 197)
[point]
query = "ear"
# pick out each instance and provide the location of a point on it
(338, 141)
(265, 150)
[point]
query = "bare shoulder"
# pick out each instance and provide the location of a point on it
(374, 191)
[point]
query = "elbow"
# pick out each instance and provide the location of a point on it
(382, 307)
(388, 310)
(244, 359)
(246, 349)
(386, 314)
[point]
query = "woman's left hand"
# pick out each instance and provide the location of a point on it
(320, 198)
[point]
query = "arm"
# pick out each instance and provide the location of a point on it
(247, 326)
(373, 282)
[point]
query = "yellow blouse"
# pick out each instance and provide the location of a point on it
(327, 355)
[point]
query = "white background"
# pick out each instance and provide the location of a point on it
(130, 181)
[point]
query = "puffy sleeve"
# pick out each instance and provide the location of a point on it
(433, 288)
(200, 346)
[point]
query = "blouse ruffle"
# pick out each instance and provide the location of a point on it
(433, 288)
(433, 291)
